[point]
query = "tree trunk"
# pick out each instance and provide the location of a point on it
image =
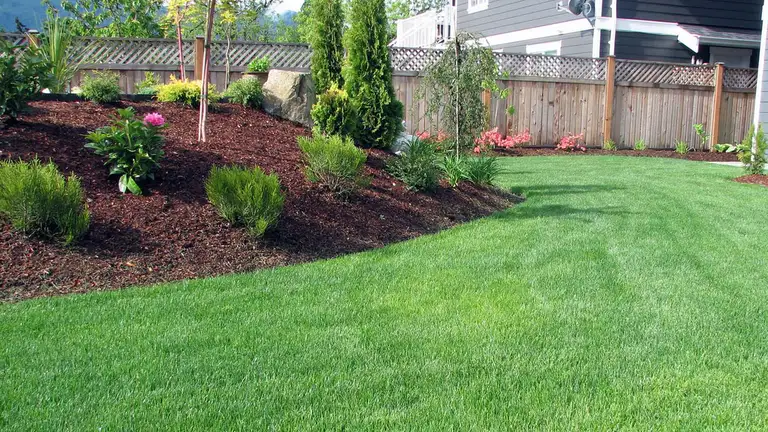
(182, 68)
(206, 68)
(227, 65)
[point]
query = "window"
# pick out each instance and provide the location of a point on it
(549, 48)
(476, 5)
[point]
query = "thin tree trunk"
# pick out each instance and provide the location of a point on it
(227, 65)
(182, 67)
(206, 67)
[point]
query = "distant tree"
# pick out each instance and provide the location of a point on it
(120, 18)
(177, 10)
(397, 10)
(20, 27)
(368, 74)
(327, 25)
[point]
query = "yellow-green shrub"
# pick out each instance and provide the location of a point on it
(185, 92)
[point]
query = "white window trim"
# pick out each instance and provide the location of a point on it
(479, 7)
(542, 48)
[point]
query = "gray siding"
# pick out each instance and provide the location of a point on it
(764, 95)
(743, 14)
(641, 46)
(504, 16)
(574, 44)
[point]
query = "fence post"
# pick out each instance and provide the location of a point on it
(714, 127)
(199, 50)
(610, 85)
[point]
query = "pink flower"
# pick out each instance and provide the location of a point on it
(423, 135)
(154, 119)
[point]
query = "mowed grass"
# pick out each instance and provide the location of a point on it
(625, 293)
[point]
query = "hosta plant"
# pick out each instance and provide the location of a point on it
(132, 148)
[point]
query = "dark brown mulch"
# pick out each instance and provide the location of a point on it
(758, 179)
(173, 233)
(694, 156)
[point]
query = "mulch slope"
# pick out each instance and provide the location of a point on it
(758, 179)
(173, 233)
(694, 156)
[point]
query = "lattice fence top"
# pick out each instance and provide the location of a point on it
(285, 56)
(740, 78)
(413, 59)
(664, 73)
(14, 38)
(551, 66)
(119, 51)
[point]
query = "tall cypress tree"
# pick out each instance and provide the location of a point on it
(327, 23)
(368, 75)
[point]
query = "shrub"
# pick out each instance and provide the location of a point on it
(23, 74)
(185, 92)
(754, 162)
(491, 139)
(681, 147)
(101, 87)
(132, 148)
(417, 167)
(149, 85)
(640, 145)
(56, 49)
(38, 200)
(701, 132)
(609, 145)
(246, 197)
(571, 143)
(727, 148)
(334, 162)
(455, 168)
(333, 113)
(325, 38)
(246, 92)
(368, 75)
(258, 65)
(483, 170)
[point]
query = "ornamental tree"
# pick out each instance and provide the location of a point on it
(368, 75)
(325, 36)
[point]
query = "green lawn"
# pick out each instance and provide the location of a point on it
(624, 293)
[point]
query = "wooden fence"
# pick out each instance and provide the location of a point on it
(553, 96)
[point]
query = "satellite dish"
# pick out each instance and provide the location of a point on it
(582, 7)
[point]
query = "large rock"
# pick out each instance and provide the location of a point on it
(289, 95)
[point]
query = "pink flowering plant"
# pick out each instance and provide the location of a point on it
(572, 143)
(493, 139)
(438, 141)
(132, 147)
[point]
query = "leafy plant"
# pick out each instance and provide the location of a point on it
(101, 87)
(23, 74)
(185, 92)
(752, 151)
(368, 75)
(333, 113)
(132, 148)
(452, 89)
(334, 162)
(681, 147)
(640, 145)
(149, 85)
(55, 48)
(455, 168)
(246, 92)
(483, 170)
(701, 132)
(38, 200)
(325, 38)
(492, 139)
(259, 65)
(418, 167)
(609, 145)
(571, 143)
(246, 197)
(726, 148)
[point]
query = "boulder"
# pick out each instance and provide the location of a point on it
(289, 95)
(402, 142)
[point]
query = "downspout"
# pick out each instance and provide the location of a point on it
(761, 70)
(614, 24)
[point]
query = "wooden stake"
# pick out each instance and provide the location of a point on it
(610, 86)
(714, 126)
(199, 51)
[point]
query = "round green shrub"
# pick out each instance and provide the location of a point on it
(246, 197)
(418, 167)
(38, 200)
(101, 87)
(185, 92)
(246, 92)
(333, 113)
(334, 162)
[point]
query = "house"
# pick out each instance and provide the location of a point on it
(429, 29)
(681, 31)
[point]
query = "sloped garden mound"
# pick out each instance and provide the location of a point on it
(173, 233)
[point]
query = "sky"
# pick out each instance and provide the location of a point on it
(287, 5)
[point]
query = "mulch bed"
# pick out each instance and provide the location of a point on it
(758, 179)
(173, 233)
(694, 155)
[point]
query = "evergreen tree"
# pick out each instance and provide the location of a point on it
(368, 75)
(327, 23)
